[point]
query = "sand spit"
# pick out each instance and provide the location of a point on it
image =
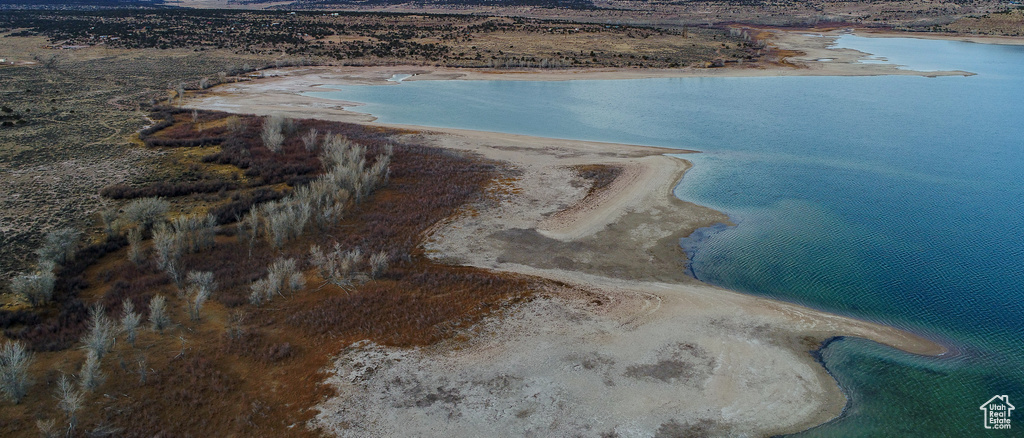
(625, 344)
(281, 91)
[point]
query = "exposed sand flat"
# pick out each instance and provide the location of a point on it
(967, 38)
(625, 342)
(280, 91)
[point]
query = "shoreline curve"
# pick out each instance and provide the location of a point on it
(618, 247)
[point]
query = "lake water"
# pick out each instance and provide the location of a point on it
(894, 199)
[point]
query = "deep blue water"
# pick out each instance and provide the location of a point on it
(895, 199)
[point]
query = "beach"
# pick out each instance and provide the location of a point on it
(623, 341)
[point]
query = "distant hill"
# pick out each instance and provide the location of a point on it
(568, 4)
(77, 4)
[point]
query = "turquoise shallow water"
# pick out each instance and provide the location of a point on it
(894, 199)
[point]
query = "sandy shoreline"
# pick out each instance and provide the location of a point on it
(628, 342)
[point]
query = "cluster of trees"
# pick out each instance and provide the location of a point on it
(173, 266)
(36, 287)
(321, 203)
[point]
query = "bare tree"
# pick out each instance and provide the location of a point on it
(235, 125)
(130, 321)
(284, 220)
(135, 254)
(337, 267)
(109, 217)
(70, 401)
(14, 363)
(90, 376)
(310, 139)
(59, 245)
(346, 164)
(194, 233)
(249, 229)
(47, 428)
(100, 337)
(158, 318)
(260, 289)
(272, 136)
(35, 288)
(145, 212)
(142, 367)
(200, 287)
(168, 252)
(181, 93)
(282, 275)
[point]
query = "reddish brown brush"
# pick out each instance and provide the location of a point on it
(255, 371)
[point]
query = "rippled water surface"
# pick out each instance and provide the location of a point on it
(895, 199)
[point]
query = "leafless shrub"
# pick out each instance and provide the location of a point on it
(200, 287)
(158, 317)
(35, 288)
(135, 254)
(181, 93)
(168, 252)
(70, 401)
(100, 337)
(47, 428)
(59, 245)
(346, 164)
(142, 367)
(130, 321)
(337, 267)
(260, 289)
(297, 281)
(284, 270)
(252, 221)
(282, 275)
(14, 364)
(284, 220)
(109, 217)
(194, 232)
(272, 136)
(204, 83)
(145, 212)
(90, 376)
(310, 139)
(378, 264)
(325, 200)
(235, 125)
